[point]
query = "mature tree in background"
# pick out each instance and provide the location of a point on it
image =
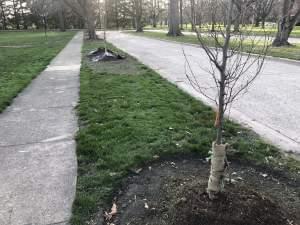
(87, 10)
(174, 29)
(193, 15)
(231, 72)
(60, 12)
(16, 12)
(262, 10)
(289, 14)
(240, 8)
(154, 8)
(138, 14)
(3, 14)
(181, 13)
(66, 14)
(42, 8)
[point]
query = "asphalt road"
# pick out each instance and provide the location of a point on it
(271, 107)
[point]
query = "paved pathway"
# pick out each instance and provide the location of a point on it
(292, 40)
(271, 107)
(37, 147)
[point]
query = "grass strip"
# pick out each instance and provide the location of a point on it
(288, 52)
(128, 114)
(23, 55)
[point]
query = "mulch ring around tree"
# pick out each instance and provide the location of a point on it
(172, 192)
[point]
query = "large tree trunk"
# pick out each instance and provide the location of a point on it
(174, 29)
(138, 15)
(91, 29)
(139, 25)
(61, 17)
(286, 23)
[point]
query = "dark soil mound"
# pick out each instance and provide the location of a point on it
(173, 193)
(237, 206)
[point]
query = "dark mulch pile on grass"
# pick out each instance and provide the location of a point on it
(172, 192)
(100, 54)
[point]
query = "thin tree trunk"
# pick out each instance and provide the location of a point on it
(45, 26)
(16, 15)
(193, 15)
(154, 22)
(3, 17)
(218, 161)
(181, 14)
(25, 26)
(213, 22)
(263, 23)
(117, 14)
(257, 21)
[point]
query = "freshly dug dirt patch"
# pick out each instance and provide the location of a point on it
(234, 207)
(172, 192)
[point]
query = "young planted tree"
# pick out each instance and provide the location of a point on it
(231, 72)
(289, 15)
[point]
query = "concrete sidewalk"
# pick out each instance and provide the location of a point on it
(271, 107)
(37, 149)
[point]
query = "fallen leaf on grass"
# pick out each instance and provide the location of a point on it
(136, 171)
(113, 211)
(263, 174)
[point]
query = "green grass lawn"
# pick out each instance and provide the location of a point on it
(291, 52)
(256, 30)
(23, 55)
(128, 114)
